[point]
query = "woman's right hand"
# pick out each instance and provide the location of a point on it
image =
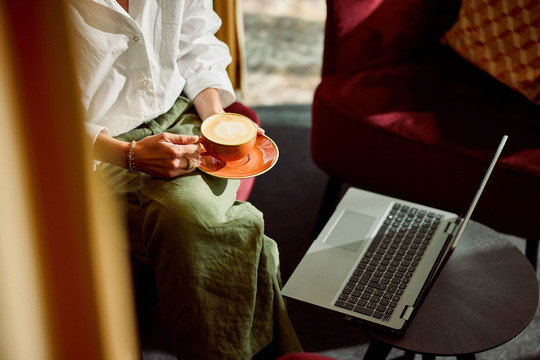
(167, 155)
(164, 155)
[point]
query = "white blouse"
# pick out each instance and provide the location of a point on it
(132, 67)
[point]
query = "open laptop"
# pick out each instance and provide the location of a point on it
(377, 257)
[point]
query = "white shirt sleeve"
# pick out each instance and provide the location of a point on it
(93, 130)
(203, 58)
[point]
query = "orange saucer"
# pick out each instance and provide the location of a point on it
(262, 158)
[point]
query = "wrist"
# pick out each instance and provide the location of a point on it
(131, 157)
(111, 150)
(207, 103)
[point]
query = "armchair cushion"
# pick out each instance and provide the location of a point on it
(436, 99)
(501, 38)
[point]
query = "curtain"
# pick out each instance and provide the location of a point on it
(232, 33)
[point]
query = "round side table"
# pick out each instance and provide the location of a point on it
(485, 296)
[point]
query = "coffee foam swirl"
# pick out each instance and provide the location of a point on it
(230, 130)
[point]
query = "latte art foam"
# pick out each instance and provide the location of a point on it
(229, 129)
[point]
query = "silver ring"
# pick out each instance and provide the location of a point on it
(189, 164)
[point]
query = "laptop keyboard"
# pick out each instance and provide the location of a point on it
(386, 268)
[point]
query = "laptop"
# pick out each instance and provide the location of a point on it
(377, 257)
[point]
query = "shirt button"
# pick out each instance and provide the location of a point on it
(136, 38)
(145, 82)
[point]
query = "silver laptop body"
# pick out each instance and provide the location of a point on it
(340, 265)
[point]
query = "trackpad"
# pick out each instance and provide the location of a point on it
(350, 230)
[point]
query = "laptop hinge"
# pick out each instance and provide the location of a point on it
(407, 312)
(451, 228)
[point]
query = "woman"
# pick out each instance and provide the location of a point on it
(149, 73)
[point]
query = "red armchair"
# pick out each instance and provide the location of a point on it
(398, 112)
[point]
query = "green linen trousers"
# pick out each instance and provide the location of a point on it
(217, 274)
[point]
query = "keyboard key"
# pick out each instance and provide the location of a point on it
(363, 310)
(377, 285)
(364, 280)
(344, 305)
(377, 314)
(359, 288)
(377, 239)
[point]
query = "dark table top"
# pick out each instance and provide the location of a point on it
(486, 295)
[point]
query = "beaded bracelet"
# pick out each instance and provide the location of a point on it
(131, 159)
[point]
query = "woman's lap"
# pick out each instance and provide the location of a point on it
(216, 272)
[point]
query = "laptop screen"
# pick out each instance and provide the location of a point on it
(466, 218)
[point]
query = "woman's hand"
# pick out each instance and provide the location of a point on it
(164, 155)
(167, 155)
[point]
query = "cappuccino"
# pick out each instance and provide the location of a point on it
(228, 129)
(228, 137)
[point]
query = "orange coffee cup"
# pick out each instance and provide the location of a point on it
(228, 137)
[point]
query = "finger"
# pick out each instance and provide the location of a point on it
(191, 164)
(197, 161)
(181, 139)
(189, 139)
(260, 131)
(191, 150)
